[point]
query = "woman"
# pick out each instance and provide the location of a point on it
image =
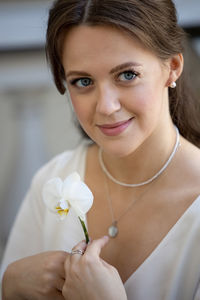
(121, 63)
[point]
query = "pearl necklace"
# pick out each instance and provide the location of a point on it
(150, 179)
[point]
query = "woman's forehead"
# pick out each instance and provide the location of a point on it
(91, 43)
(98, 34)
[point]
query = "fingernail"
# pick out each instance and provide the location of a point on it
(106, 237)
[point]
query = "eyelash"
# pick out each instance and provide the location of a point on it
(129, 71)
(74, 81)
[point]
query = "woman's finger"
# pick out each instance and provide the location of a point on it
(94, 248)
(59, 284)
(80, 247)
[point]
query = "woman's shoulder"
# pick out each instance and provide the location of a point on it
(63, 164)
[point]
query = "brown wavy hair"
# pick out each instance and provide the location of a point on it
(153, 22)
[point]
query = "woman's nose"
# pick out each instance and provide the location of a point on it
(108, 100)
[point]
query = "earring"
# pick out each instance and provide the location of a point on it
(173, 85)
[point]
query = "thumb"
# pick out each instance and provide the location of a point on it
(95, 246)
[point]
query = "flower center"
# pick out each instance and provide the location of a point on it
(62, 212)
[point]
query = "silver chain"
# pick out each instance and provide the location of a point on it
(113, 228)
(150, 179)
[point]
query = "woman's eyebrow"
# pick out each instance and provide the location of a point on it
(77, 73)
(114, 70)
(125, 65)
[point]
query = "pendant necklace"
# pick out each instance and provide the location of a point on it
(113, 229)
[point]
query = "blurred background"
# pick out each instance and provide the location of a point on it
(36, 123)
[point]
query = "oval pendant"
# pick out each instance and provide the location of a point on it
(113, 231)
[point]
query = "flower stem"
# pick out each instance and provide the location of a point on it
(85, 230)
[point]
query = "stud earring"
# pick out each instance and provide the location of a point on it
(173, 85)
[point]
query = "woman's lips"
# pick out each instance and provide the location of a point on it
(115, 128)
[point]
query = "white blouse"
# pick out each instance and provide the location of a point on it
(171, 272)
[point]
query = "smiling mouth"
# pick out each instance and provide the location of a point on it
(113, 125)
(115, 128)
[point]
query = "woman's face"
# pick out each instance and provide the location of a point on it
(118, 88)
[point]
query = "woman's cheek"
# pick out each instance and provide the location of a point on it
(84, 115)
(141, 101)
(78, 106)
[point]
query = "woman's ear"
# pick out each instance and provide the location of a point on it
(176, 63)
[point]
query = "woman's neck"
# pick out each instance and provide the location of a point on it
(146, 160)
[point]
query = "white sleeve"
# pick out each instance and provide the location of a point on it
(28, 233)
(26, 237)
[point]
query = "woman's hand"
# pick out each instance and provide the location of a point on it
(37, 277)
(89, 277)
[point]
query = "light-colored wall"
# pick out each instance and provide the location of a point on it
(36, 123)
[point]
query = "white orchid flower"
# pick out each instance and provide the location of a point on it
(59, 196)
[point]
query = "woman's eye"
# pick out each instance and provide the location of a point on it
(127, 76)
(82, 82)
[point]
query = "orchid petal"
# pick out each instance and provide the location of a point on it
(52, 192)
(68, 182)
(80, 198)
(59, 196)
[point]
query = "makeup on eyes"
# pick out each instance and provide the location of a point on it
(130, 71)
(88, 80)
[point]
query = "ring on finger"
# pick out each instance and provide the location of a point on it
(77, 251)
